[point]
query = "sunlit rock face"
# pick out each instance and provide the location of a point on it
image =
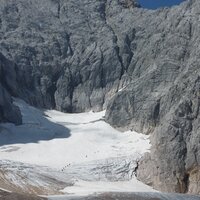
(140, 65)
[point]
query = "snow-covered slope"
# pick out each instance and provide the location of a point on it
(74, 149)
(57, 139)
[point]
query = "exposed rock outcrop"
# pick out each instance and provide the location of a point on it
(142, 65)
(8, 111)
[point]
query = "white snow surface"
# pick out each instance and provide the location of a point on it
(81, 146)
(90, 138)
(83, 188)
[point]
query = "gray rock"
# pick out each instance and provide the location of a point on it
(142, 65)
(8, 111)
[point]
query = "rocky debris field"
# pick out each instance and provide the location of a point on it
(14, 196)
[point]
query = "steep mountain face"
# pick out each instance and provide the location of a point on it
(140, 65)
(8, 111)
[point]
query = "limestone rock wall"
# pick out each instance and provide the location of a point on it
(8, 111)
(141, 65)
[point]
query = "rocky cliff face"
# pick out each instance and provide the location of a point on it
(8, 111)
(141, 65)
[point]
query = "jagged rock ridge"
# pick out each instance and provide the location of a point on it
(142, 65)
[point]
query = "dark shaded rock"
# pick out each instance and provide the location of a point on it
(8, 87)
(8, 111)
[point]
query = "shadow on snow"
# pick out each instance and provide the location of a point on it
(36, 127)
